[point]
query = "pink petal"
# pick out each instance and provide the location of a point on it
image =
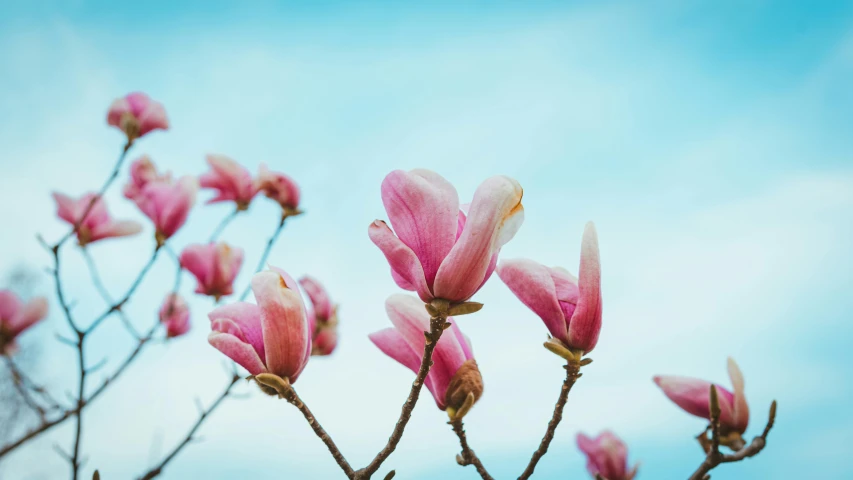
(115, 229)
(198, 260)
(117, 108)
(495, 216)
(240, 352)
(10, 305)
(402, 259)
(285, 326)
(153, 118)
(740, 414)
(66, 207)
(242, 320)
(392, 343)
(533, 284)
(585, 324)
(423, 208)
(463, 341)
(175, 315)
(319, 297)
(693, 396)
(31, 313)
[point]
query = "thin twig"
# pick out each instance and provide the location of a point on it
(104, 293)
(154, 472)
(266, 253)
(22, 385)
(224, 223)
(437, 325)
(297, 402)
(572, 375)
(468, 457)
(714, 457)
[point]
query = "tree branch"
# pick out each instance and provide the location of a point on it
(468, 457)
(224, 223)
(572, 375)
(266, 253)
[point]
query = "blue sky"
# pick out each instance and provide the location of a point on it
(708, 140)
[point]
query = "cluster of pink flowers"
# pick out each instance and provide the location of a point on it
(440, 249)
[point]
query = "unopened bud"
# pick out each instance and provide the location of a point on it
(273, 385)
(466, 387)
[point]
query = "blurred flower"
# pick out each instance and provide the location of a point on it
(136, 114)
(322, 316)
(607, 456)
(143, 172)
(175, 315)
(570, 307)
(231, 180)
(454, 375)
(437, 250)
(215, 266)
(16, 316)
(98, 224)
(693, 396)
(270, 337)
(167, 204)
(280, 188)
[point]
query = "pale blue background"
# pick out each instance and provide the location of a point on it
(710, 141)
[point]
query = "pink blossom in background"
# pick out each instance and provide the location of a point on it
(136, 114)
(279, 187)
(435, 249)
(16, 316)
(168, 204)
(322, 317)
(215, 266)
(232, 182)
(270, 337)
(143, 172)
(98, 224)
(175, 315)
(607, 456)
(404, 342)
(693, 396)
(569, 306)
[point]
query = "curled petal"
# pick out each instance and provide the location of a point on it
(391, 342)
(236, 350)
(585, 324)
(402, 259)
(533, 284)
(693, 396)
(323, 307)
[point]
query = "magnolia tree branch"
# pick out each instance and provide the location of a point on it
(156, 471)
(714, 457)
(105, 294)
(572, 375)
(222, 225)
(437, 326)
(26, 388)
(266, 253)
(468, 457)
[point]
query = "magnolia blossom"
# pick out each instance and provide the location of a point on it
(454, 374)
(232, 181)
(322, 316)
(693, 396)
(167, 204)
(97, 224)
(143, 172)
(278, 187)
(214, 265)
(607, 456)
(270, 337)
(136, 114)
(175, 315)
(569, 306)
(16, 316)
(436, 249)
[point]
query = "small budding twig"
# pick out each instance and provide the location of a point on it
(572, 375)
(468, 457)
(714, 457)
(438, 323)
(156, 471)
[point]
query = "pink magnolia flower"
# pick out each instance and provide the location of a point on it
(214, 265)
(168, 204)
(97, 224)
(570, 307)
(438, 251)
(16, 316)
(278, 187)
(175, 315)
(607, 456)
(143, 172)
(232, 181)
(323, 317)
(454, 373)
(270, 337)
(693, 396)
(136, 114)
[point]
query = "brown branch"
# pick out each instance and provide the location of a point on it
(714, 457)
(468, 457)
(24, 386)
(437, 326)
(266, 253)
(572, 375)
(156, 471)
